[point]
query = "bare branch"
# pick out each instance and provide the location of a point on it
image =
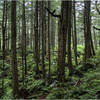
(52, 13)
(97, 7)
(96, 28)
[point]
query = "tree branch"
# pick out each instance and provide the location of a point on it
(52, 13)
(97, 7)
(96, 28)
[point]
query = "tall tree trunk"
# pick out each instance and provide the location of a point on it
(69, 39)
(39, 30)
(92, 46)
(45, 29)
(19, 26)
(63, 27)
(75, 33)
(36, 38)
(53, 32)
(49, 39)
(24, 36)
(0, 41)
(3, 45)
(43, 49)
(13, 49)
(95, 40)
(8, 32)
(89, 51)
(32, 25)
(24, 62)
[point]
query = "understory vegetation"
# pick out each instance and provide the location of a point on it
(85, 82)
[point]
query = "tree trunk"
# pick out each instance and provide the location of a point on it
(32, 25)
(95, 40)
(45, 29)
(53, 32)
(89, 51)
(75, 33)
(69, 39)
(13, 49)
(24, 36)
(43, 49)
(63, 27)
(36, 38)
(3, 37)
(49, 57)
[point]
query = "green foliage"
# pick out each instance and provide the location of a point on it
(8, 94)
(56, 93)
(35, 86)
(80, 52)
(87, 88)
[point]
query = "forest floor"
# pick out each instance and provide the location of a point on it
(84, 84)
(84, 87)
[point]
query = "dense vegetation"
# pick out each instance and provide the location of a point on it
(49, 49)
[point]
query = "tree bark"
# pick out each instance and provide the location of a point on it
(75, 33)
(3, 37)
(69, 39)
(13, 49)
(95, 40)
(36, 39)
(89, 51)
(49, 57)
(43, 50)
(63, 28)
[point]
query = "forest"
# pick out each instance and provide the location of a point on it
(49, 49)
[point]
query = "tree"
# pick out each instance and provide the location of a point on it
(36, 38)
(32, 25)
(45, 28)
(24, 62)
(13, 49)
(53, 32)
(95, 39)
(69, 38)
(43, 40)
(19, 24)
(62, 36)
(75, 33)
(89, 50)
(49, 39)
(4, 24)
